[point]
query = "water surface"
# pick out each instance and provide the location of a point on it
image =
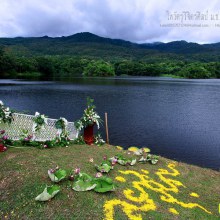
(176, 118)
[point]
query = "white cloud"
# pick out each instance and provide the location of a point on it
(134, 20)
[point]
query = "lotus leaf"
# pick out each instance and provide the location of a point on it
(104, 167)
(57, 176)
(104, 184)
(84, 182)
(48, 193)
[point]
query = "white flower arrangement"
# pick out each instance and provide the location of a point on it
(98, 140)
(89, 117)
(5, 113)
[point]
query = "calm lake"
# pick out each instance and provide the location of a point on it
(175, 118)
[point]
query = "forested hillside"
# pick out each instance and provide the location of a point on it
(86, 54)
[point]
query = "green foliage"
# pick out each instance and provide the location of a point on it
(86, 55)
(195, 71)
(99, 68)
(45, 66)
(79, 140)
(63, 141)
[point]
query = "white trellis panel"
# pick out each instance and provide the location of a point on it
(25, 122)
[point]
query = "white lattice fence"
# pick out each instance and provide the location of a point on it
(25, 122)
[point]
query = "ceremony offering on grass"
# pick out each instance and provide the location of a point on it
(56, 175)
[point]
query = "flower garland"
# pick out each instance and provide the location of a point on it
(5, 114)
(61, 125)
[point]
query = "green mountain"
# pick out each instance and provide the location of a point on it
(86, 54)
(92, 46)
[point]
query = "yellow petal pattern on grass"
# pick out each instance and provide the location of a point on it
(194, 195)
(146, 150)
(120, 179)
(141, 202)
(172, 210)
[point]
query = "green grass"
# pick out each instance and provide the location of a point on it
(23, 175)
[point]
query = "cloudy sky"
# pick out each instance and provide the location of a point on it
(133, 20)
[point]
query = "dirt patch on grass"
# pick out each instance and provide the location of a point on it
(9, 180)
(10, 156)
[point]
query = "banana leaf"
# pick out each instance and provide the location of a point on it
(133, 162)
(154, 159)
(124, 161)
(104, 184)
(57, 176)
(48, 193)
(84, 182)
(103, 168)
(143, 160)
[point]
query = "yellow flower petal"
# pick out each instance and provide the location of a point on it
(172, 210)
(120, 179)
(194, 195)
(146, 150)
(119, 147)
(133, 149)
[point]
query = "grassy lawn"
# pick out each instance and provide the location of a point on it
(149, 193)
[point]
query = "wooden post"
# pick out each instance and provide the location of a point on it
(106, 127)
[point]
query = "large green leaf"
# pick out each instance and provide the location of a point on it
(57, 176)
(120, 157)
(104, 184)
(150, 157)
(48, 193)
(133, 162)
(84, 182)
(154, 161)
(122, 162)
(143, 160)
(139, 152)
(105, 167)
